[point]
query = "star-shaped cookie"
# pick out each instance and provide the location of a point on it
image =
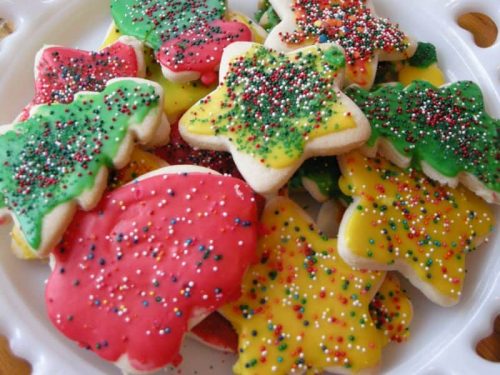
(445, 131)
(59, 158)
(273, 110)
(353, 24)
(188, 36)
(302, 307)
(402, 220)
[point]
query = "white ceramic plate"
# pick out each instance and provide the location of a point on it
(443, 340)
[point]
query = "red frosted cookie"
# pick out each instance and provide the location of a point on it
(154, 258)
(180, 152)
(61, 72)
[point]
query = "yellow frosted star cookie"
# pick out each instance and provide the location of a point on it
(402, 220)
(353, 24)
(274, 110)
(302, 307)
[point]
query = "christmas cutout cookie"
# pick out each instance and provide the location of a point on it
(179, 97)
(391, 311)
(141, 162)
(188, 36)
(401, 220)
(445, 131)
(62, 72)
(353, 24)
(272, 111)
(156, 256)
(59, 158)
(302, 307)
(177, 151)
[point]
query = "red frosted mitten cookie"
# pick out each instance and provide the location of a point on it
(154, 258)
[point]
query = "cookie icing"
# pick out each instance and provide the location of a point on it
(320, 177)
(179, 152)
(392, 311)
(301, 306)
(422, 66)
(187, 36)
(271, 108)
(133, 275)
(56, 155)
(62, 72)
(266, 16)
(200, 49)
(352, 24)
(402, 220)
(447, 129)
(216, 332)
(141, 163)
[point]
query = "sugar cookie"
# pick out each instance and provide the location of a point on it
(353, 24)
(58, 159)
(179, 152)
(141, 163)
(188, 36)
(445, 131)
(401, 220)
(132, 276)
(272, 111)
(302, 307)
(62, 72)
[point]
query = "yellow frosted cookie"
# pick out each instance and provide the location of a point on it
(402, 220)
(272, 111)
(142, 162)
(302, 307)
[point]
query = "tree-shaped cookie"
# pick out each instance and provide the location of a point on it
(62, 72)
(444, 131)
(274, 110)
(402, 220)
(188, 36)
(132, 276)
(302, 307)
(59, 158)
(353, 24)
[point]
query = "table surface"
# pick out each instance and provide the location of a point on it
(485, 32)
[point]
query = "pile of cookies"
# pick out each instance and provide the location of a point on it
(160, 175)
